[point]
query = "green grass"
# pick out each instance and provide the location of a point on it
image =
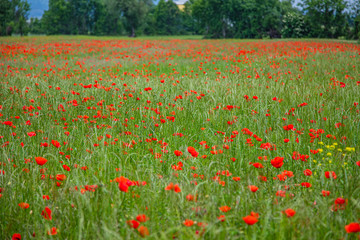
(122, 135)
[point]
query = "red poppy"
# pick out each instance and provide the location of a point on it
(192, 151)
(277, 162)
(250, 220)
(258, 165)
(55, 143)
(221, 218)
(142, 218)
(124, 183)
(24, 205)
(178, 153)
(173, 187)
(188, 222)
(307, 172)
(52, 231)
(60, 177)
(133, 223)
(353, 227)
(306, 184)
(253, 188)
(339, 204)
(190, 197)
(16, 236)
(289, 212)
(143, 231)
(40, 160)
(330, 174)
(325, 193)
(288, 127)
(46, 213)
(225, 208)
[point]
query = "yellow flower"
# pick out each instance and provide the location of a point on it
(321, 143)
(320, 150)
(328, 154)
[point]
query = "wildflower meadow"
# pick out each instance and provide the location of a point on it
(106, 138)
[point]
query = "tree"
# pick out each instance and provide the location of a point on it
(325, 18)
(13, 16)
(293, 25)
(35, 26)
(5, 18)
(354, 21)
(134, 13)
(57, 20)
(167, 18)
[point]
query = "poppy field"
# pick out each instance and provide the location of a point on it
(105, 138)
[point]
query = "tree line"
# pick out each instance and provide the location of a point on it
(211, 18)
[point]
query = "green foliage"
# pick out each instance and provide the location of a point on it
(35, 26)
(13, 16)
(167, 18)
(293, 26)
(325, 18)
(211, 18)
(57, 19)
(134, 13)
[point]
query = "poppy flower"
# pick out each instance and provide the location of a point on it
(192, 151)
(55, 143)
(40, 160)
(277, 162)
(142, 218)
(288, 127)
(52, 231)
(24, 205)
(143, 231)
(124, 183)
(325, 193)
(253, 188)
(133, 223)
(31, 134)
(289, 212)
(173, 187)
(46, 213)
(353, 227)
(307, 172)
(225, 208)
(250, 220)
(188, 222)
(306, 184)
(60, 177)
(221, 218)
(16, 236)
(330, 174)
(339, 204)
(178, 153)
(190, 197)
(258, 165)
